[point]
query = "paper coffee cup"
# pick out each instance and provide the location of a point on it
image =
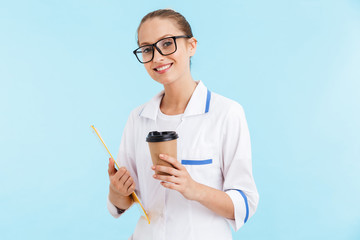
(162, 143)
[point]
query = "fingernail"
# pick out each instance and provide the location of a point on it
(161, 155)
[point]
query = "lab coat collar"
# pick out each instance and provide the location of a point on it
(199, 103)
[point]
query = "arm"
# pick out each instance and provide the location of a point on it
(236, 157)
(124, 180)
(214, 199)
(181, 181)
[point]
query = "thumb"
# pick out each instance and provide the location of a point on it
(112, 170)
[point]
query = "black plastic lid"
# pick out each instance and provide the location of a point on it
(161, 136)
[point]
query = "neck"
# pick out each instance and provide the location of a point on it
(177, 96)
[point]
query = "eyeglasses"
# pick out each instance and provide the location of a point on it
(165, 47)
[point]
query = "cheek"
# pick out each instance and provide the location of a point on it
(148, 68)
(183, 61)
(182, 58)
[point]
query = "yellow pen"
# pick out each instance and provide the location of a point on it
(133, 194)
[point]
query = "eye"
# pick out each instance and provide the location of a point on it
(167, 43)
(146, 50)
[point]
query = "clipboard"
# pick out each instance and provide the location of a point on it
(133, 194)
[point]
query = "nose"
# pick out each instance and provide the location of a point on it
(157, 56)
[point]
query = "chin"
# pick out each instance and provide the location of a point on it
(165, 81)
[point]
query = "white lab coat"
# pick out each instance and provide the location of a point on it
(214, 146)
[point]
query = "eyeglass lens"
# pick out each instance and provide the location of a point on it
(165, 46)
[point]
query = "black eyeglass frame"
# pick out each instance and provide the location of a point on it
(154, 46)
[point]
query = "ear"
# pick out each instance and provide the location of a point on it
(192, 46)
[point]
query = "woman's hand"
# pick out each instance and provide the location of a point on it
(120, 180)
(180, 180)
(121, 186)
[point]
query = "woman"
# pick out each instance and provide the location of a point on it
(211, 184)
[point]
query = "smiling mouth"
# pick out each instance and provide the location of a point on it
(163, 67)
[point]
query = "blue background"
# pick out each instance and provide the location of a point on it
(293, 65)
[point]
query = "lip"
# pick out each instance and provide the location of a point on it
(163, 71)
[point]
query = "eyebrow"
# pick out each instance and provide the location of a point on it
(146, 43)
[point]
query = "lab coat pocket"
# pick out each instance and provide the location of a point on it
(203, 168)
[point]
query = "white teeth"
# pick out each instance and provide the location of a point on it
(163, 68)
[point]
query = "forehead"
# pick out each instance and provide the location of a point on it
(155, 29)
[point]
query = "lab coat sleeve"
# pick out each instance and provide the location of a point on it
(112, 209)
(237, 166)
(125, 158)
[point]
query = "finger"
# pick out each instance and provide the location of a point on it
(123, 179)
(170, 185)
(173, 161)
(128, 182)
(120, 173)
(131, 187)
(170, 170)
(111, 169)
(166, 178)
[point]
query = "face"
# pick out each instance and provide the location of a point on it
(176, 66)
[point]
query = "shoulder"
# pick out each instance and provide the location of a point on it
(225, 106)
(230, 115)
(135, 113)
(133, 119)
